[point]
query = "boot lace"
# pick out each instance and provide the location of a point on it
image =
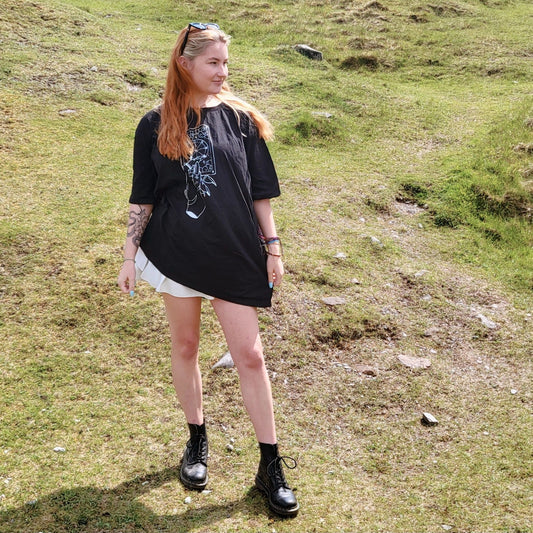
(275, 471)
(197, 448)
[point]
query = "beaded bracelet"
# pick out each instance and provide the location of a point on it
(266, 241)
(278, 242)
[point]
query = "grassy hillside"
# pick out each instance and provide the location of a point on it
(405, 158)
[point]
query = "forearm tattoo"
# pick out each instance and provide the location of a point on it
(136, 224)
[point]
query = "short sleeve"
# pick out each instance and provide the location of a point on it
(144, 172)
(264, 179)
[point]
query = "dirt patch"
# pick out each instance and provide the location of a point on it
(407, 208)
(366, 61)
(68, 81)
(360, 43)
(16, 251)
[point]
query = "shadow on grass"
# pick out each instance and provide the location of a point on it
(93, 510)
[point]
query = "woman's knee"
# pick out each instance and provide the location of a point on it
(250, 359)
(185, 347)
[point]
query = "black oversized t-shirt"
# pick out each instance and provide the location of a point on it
(203, 232)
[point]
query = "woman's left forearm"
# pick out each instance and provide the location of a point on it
(265, 217)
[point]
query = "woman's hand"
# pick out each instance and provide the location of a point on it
(126, 276)
(275, 270)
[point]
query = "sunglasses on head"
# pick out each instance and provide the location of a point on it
(200, 26)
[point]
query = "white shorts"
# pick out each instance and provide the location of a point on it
(146, 270)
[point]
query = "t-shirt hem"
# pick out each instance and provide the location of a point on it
(265, 196)
(144, 201)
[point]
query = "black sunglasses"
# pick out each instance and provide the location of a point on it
(197, 26)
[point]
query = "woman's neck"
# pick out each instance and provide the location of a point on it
(207, 101)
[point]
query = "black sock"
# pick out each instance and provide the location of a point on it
(196, 430)
(269, 452)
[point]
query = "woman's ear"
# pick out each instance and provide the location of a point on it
(184, 62)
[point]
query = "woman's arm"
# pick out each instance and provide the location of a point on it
(265, 217)
(138, 219)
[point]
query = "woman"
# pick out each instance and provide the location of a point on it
(201, 226)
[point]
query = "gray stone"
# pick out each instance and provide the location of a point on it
(366, 369)
(486, 322)
(429, 420)
(334, 300)
(225, 361)
(414, 362)
(324, 114)
(309, 52)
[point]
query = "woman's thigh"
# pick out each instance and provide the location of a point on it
(241, 329)
(183, 316)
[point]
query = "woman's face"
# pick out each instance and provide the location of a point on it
(209, 70)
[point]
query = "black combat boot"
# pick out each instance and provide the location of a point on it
(193, 473)
(270, 480)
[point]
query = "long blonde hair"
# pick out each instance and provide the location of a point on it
(173, 141)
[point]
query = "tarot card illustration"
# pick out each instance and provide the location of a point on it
(199, 171)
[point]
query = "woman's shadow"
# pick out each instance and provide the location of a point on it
(89, 509)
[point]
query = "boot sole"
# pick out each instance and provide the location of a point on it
(293, 511)
(193, 486)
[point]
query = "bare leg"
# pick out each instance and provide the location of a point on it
(184, 319)
(241, 329)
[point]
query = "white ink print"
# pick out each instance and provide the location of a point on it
(199, 171)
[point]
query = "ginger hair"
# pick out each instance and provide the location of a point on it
(173, 141)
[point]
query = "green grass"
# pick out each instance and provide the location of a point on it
(421, 177)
